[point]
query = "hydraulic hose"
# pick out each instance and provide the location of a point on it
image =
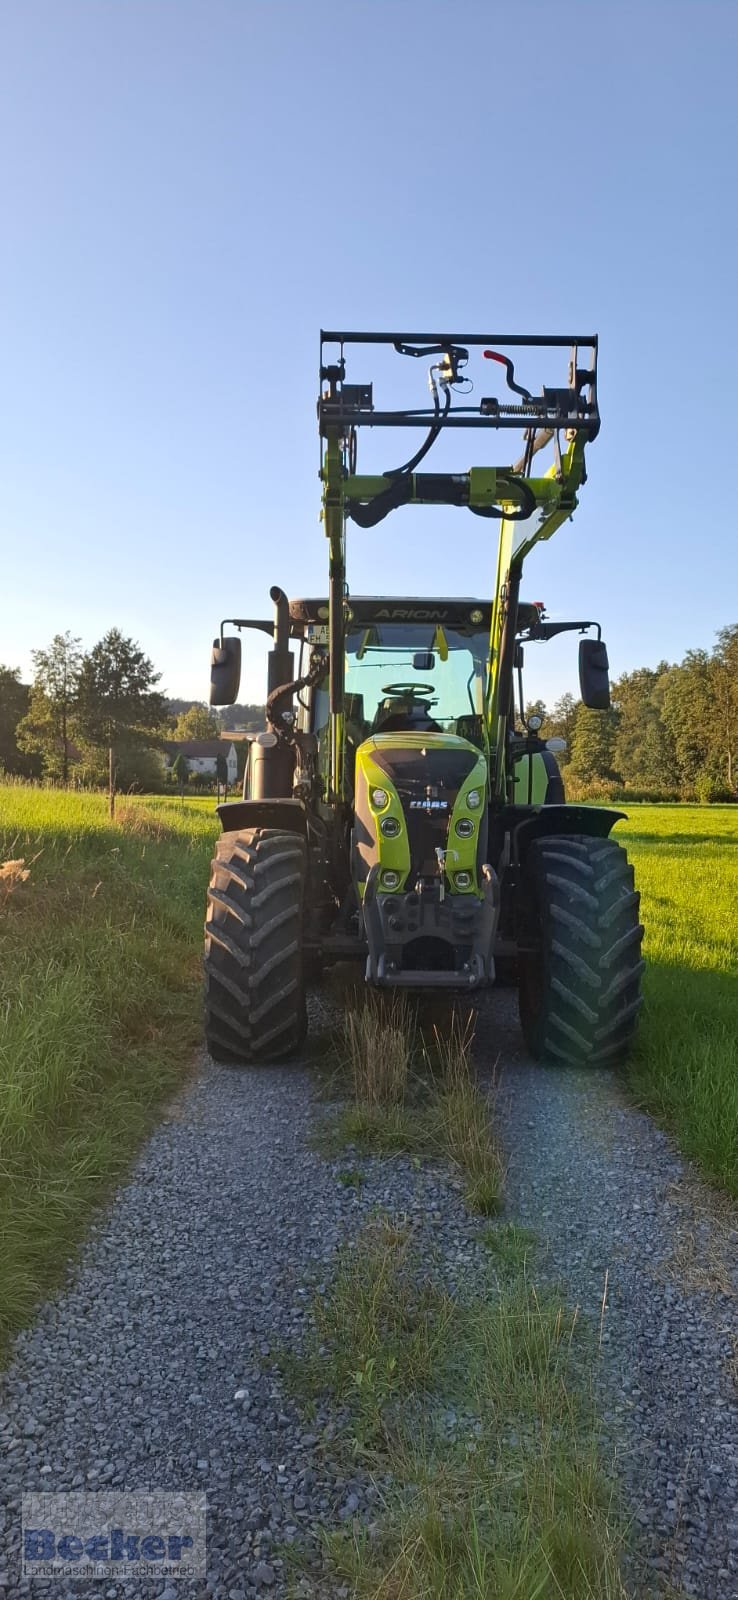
(400, 490)
(368, 516)
(525, 510)
(435, 428)
(285, 691)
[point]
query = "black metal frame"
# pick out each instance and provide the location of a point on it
(564, 407)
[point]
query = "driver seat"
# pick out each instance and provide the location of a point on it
(411, 719)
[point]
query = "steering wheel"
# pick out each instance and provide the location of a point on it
(413, 689)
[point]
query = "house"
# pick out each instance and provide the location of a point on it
(201, 756)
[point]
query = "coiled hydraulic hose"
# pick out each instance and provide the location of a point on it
(400, 490)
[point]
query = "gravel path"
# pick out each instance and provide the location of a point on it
(150, 1370)
(607, 1193)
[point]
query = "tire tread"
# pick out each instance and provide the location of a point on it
(254, 990)
(580, 986)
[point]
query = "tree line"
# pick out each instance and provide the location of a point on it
(671, 732)
(97, 717)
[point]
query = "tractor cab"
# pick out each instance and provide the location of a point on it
(416, 666)
(411, 666)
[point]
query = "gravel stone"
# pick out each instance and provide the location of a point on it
(263, 1575)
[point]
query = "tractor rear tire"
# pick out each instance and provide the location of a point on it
(580, 951)
(254, 987)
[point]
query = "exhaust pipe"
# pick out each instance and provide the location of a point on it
(281, 667)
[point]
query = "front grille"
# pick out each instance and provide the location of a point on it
(444, 769)
(434, 775)
(426, 832)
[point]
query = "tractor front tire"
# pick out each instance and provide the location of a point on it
(254, 987)
(580, 951)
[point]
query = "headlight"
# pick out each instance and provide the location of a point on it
(465, 827)
(379, 798)
(462, 880)
(476, 615)
(390, 827)
(390, 880)
(474, 799)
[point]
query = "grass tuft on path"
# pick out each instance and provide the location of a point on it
(474, 1414)
(416, 1093)
(100, 1007)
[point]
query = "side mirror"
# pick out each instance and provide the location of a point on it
(225, 671)
(594, 674)
(424, 661)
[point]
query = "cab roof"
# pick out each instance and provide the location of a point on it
(462, 611)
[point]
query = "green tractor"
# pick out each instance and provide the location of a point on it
(400, 809)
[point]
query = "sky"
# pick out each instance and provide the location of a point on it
(190, 189)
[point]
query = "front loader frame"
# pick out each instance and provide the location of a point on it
(528, 507)
(441, 851)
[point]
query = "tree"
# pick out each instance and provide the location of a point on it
(687, 712)
(46, 729)
(118, 707)
(725, 687)
(700, 709)
(248, 717)
(643, 751)
(560, 722)
(13, 707)
(141, 768)
(196, 723)
(180, 770)
(592, 743)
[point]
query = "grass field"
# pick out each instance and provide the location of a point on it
(685, 1065)
(99, 998)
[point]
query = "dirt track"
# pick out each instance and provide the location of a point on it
(133, 1375)
(618, 1211)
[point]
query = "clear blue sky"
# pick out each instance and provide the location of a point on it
(189, 188)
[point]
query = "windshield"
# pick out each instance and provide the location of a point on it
(400, 675)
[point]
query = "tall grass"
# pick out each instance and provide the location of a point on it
(460, 1114)
(474, 1413)
(684, 1066)
(99, 1006)
(379, 1038)
(417, 1092)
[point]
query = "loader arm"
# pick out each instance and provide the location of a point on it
(526, 507)
(516, 540)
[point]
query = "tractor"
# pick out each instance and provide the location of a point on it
(399, 808)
